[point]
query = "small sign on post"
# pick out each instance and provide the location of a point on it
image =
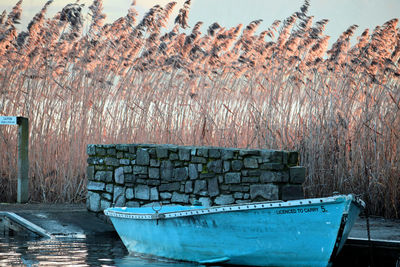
(23, 160)
(7, 120)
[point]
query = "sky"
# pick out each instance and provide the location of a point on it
(229, 13)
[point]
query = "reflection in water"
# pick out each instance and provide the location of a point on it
(89, 251)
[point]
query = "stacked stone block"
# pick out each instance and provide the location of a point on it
(139, 174)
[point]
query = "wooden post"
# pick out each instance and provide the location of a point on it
(23, 160)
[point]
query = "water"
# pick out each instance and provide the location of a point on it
(86, 251)
(110, 251)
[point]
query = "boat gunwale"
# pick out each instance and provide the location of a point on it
(232, 208)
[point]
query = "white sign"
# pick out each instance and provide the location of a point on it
(8, 120)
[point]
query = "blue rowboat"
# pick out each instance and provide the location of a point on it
(307, 232)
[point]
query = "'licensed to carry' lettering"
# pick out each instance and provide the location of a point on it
(300, 210)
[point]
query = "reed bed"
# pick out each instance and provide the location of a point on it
(130, 81)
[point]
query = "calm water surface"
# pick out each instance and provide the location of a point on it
(87, 251)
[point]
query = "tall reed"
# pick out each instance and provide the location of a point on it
(137, 81)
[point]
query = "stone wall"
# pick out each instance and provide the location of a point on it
(138, 174)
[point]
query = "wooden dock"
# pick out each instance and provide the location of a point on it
(73, 220)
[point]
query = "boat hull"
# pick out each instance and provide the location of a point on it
(294, 233)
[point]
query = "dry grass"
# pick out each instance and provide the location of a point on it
(138, 82)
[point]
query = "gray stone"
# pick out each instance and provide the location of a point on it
(166, 170)
(100, 151)
(142, 192)
(206, 175)
(129, 178)
(297, 174)
(172, 148)
(200, 185)
(106, 196)
(170, 186)
(129, 193)
(251, 180)
(224, 187)
(214, 153)
(189, 187)
(139, 169)
(184, 154)
(285, 157)
(133, 204)
(154, 173)
(93, 201)
(215, 166)
(237, 165)
(213, 189)
(274, 177)
(226, 154)
(193, 152)
(232, 177)
(178, 164)
(180, 198)
(142, 157)
(239, 188)
(132, 148)
(122, 147)
(95, 161)
(99, 167)
(293, 158)
(119, 175)
(250, 163)
(249, 152)
(193, 174)
(224, 200)
(109, 188)
(153, 182)
(198, 160)
(105, 204)
(246, 196)
(254, 172)
(265, 191)
(205, 201)
(152, 152)
(95, 186)
(127, 169)
(129, 156)
(203, 193)
(119, 196)
(180, 174)
(153, 193)
(161, 152)
(91, 150)
(272, 156)
(173, 156)
(111, 152)
(90, 172)
(111, 162)
(272, 166)
(124, 161)
(105, 176)
(227, 166)
(165, 195)
(202, 152)
(241, 201)
(155, 163)
(291, 192)
(238, 195)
